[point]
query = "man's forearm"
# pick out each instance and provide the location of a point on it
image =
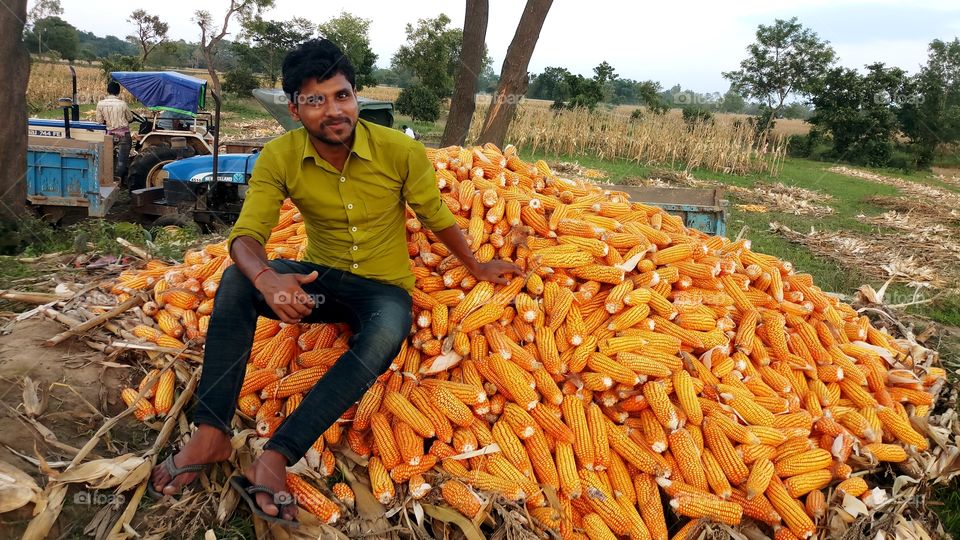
(453, 238)
(248, 255)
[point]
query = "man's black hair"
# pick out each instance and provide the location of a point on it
(113, 88)
(314, 59)
(403, 126)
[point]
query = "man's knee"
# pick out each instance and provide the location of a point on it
(385, 334)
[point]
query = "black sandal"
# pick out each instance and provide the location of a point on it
(174, 472)
(282, 499)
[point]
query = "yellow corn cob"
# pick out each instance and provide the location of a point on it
(143, 410)
(900, 427)
(815, 504)
(595, 528)
(719, 484)
(312, 500)
(790, 509)
(705, 507)
(802, 484)
(405, 471)
(299, 381)
(892, 453)
(718, 443)
(380, 482)
(164, 398)
(854, 486)
(451, 407)
(687, 455)
(575, 417)
(403, 409)
(804, 462)
(460, 497)
(648, 499)
(660, 404)
(511, 447)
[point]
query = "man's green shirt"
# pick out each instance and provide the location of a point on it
(354, 219)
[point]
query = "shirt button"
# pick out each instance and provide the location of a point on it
(349, 207)
(342, 179)
(355, 265)
(355, 248)
(354, 229)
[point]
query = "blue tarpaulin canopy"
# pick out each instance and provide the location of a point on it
(164, 90)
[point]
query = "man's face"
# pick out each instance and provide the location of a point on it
(327, 109)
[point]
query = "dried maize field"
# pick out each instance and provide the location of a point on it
(639, 380)
(723, 145)
(50, 82)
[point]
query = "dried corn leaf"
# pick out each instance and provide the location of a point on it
(449, 515)
(17, 488)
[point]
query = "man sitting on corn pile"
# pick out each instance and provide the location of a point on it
(351, 181)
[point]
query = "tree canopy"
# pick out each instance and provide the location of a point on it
(352, 35)
(432, 53)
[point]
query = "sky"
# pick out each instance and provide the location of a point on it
(686, 42)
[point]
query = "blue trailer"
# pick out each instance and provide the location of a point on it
(65, 173)
(701, 209)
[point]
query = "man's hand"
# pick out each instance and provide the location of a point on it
(285, 296)
(492, 271)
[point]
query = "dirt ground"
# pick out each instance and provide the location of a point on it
(69, 415)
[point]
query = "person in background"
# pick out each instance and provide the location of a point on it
(409, 131)
(114, 113)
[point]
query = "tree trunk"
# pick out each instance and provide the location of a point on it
(211, 69)
(513, 75)
(471, 62)
(13, 130)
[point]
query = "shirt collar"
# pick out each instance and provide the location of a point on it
(361, 144)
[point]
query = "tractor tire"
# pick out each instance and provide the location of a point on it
(179, 220)
(144, 163)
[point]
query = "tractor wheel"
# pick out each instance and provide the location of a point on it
(144, 168)
(178, 220)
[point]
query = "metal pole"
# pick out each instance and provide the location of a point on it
(216, 133)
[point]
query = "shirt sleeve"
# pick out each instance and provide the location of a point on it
(421, 193)
(99, 118)
(261, 205)
(127, 113)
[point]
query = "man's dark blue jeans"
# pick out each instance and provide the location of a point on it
(378, 313)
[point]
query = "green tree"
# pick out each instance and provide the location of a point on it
(56, 34)
(786, 60)
(432, 54)
(150, 32)
(649, 93)
(352, 35)
(269, 41)
(858, 112)
(43, 9)
(929, 108)
(419, 103)
(551, 84)
(732, 102)
(211, 34)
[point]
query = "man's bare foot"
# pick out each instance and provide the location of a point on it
(208, 445)
(270, 470)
